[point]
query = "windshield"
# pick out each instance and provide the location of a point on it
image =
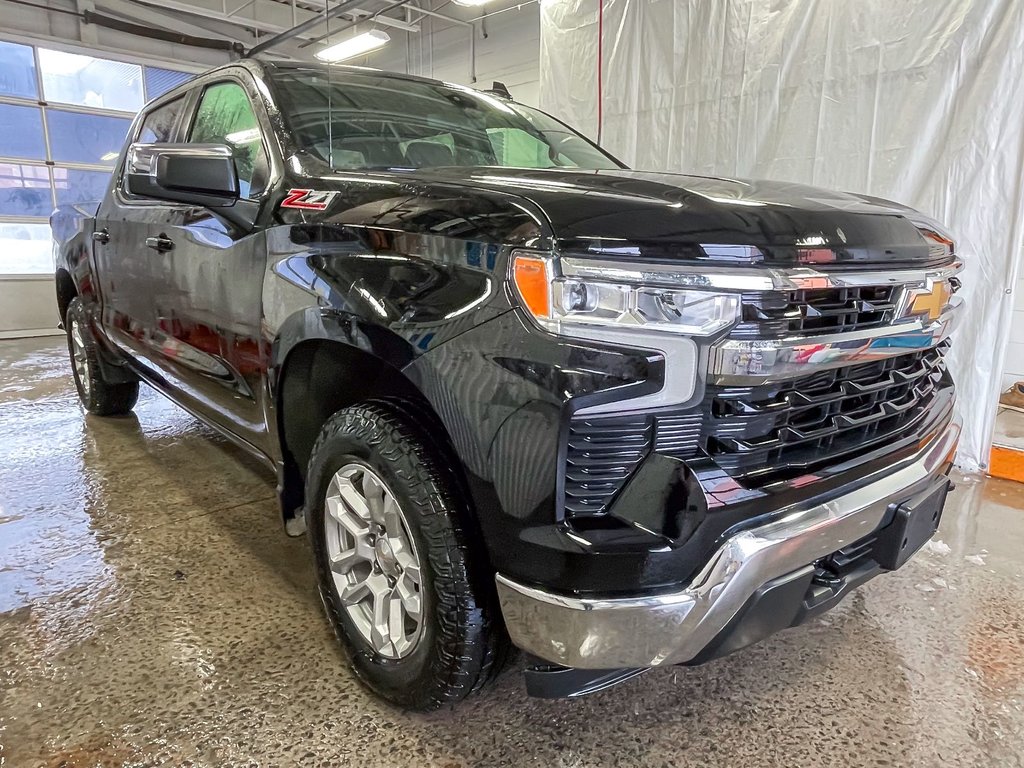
(360, 120)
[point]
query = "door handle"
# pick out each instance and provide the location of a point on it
(161, 243)
(101, 236)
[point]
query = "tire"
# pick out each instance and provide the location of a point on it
(98, 395)
(458, 642)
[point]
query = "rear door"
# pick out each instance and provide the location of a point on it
(208, 306)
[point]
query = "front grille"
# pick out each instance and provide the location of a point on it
(816, 311)
(782, 429)
(759, 434)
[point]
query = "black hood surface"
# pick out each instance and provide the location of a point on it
(636, 214)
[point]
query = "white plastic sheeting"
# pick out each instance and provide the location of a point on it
(917, 101)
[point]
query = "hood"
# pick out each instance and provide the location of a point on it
(635, 214)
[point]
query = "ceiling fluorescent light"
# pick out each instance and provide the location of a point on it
(471, 3)
(354, 46)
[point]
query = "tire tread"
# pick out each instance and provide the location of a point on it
(471, 643)
(105, 398)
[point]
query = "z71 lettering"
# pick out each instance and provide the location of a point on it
(308, 199)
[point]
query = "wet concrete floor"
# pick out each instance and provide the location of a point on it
(153, 613)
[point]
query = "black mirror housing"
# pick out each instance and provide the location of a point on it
(200, 174)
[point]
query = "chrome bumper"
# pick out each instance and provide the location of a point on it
(657, 630)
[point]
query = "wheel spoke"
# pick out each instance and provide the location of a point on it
(380, 624)
(409, 598)
(410, 567)
(353, 498)
(355, 592)
(347, 519)
(390, 517)
(396, 620)
(362, 552)
(374, 493)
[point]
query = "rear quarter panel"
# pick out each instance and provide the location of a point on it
(72, 227)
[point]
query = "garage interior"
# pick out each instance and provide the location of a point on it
(153, 613)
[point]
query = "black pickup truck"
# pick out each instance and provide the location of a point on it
(516, 393)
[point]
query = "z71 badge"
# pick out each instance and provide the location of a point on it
(308, 199)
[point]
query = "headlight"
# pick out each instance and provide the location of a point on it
(556, 302)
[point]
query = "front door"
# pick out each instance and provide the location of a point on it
(125, 267)
(208, 306)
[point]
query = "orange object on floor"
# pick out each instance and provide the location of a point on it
(1006, 463)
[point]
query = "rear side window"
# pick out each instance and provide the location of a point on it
(158, 125)
(226, 116)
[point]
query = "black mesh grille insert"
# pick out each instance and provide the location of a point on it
(816, 311)
(786, 428)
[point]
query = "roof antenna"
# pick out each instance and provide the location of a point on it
(498, 89)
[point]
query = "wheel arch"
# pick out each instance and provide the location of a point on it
(66, 291)
(336, 362)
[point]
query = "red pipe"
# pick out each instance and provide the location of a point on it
(600, 68)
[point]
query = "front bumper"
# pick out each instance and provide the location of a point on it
(678, 627)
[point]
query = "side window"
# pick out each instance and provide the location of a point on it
(225, 116)
(158, 125)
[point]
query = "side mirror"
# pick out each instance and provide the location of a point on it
(201, 174)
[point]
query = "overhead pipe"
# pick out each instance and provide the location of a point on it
(155, 33)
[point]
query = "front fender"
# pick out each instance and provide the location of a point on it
(326, 324)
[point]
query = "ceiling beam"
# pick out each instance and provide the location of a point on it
(267, 17)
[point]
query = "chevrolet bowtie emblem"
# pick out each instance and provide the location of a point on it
(931, 303)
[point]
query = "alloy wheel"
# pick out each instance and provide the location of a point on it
(374, 562)
(80, 358)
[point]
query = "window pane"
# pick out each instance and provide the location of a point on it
(369, 115)
(21, 132)
(158, 125)
(160, 81)
(90, 82)
(516, 148)
(25, 249)
(25, 190)
(17, 71)
(225, 116)
(79, 138)
(76, 186)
